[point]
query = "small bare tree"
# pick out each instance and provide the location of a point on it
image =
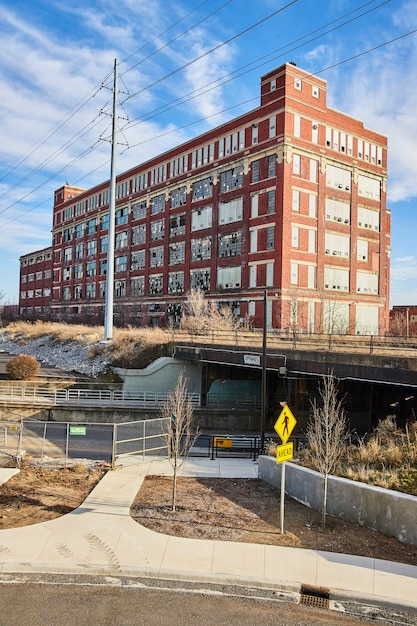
(180, 434)
(326, 432)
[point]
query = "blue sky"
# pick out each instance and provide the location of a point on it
(56, 63)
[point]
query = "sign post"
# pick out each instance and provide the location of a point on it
(284, 427)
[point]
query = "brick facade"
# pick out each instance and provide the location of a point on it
(290, 197)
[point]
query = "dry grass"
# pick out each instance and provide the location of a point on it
(388, 458)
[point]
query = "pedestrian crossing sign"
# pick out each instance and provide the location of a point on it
(285, 424)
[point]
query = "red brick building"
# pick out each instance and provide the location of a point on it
(36, 284)
(289, 197)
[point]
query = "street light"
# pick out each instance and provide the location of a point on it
(263, 382)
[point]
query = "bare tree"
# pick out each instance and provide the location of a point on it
(180, 434)
(326, 432)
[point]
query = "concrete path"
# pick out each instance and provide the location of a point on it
(100, 537)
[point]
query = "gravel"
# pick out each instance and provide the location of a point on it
(69, 356)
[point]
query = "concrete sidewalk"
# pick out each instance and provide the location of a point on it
(100, 537)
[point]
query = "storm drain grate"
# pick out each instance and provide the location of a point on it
(315, 596)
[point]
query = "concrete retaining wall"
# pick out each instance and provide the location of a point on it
(392, 513)
(161, 375)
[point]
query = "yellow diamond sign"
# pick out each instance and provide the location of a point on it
(285, 424)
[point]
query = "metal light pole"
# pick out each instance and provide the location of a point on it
(108, 308)
(263, 383)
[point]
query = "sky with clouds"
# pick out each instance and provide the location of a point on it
(186, 67)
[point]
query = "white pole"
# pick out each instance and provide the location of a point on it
(108, 309)
(281, 508)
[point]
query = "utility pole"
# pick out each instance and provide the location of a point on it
(108, 307)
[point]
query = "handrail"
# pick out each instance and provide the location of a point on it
(78, 397)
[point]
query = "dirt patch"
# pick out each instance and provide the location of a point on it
(38, 495)
(248, 510)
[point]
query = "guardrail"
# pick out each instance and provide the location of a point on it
(296, 340)
(87, 397)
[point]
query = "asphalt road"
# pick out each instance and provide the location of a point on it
(62, 601)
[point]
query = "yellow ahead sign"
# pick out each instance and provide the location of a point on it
(285, 452)
(285, 424)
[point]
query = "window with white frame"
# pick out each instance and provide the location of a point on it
(254, 133)
(201, 249)
(295, 236)
(91, 247)
(336, 279)
(156, 256)
(338, 178)
(103, 267)
(137, 261)
(157, 230)
(254, 205)
(313, 170)
(273, 84)
(271, 201)
(335, 317)
(139, 183)
(158, 204)
(176, 253)
(337, 211)
(295, 200)
(367, 282)
(230, 244)
(78, 271)
(312, 241)
(298, 84)
(202, 188)
(367, 320)
(231, 211)
(120, 263)
(252, 275)
(122, 215)
(311, 276)
(200, 279)
(201, 218)
(67, 254)
(272, 126)
(271, 165)
(255, 171)
(314, 132)
(90, 291)
(139, 210)
(369, 187)
(156, 284)
(229, 277)
(176, 282)
(297, 126)
(66, 293)
(362, 250)
(315, 91)
(79, 230)
(312, 205)
(177, 225)
(91, 269)
(296, 164)
(104, 221)
(137, 286)
(121, 240)
(78, 292)
(120, 288)
(79, 251)
(269, 274)
(92, 226)
(294, 273)
(231, 179)
(337, 245)
(253, 245)
(102, 289)
(139, 235)
(367, 218)
(104, 244)
(178, 197)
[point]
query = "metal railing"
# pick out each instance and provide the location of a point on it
(87, 397)
(297, 340)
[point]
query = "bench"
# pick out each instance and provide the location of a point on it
(237, 445)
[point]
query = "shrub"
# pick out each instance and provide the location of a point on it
(22, 367)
